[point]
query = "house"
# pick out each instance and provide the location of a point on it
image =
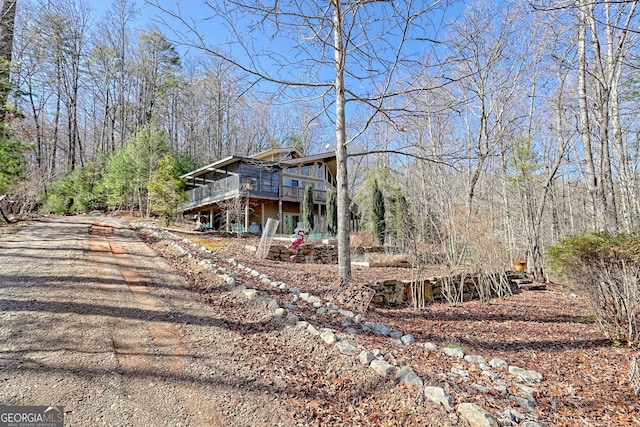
(239, 193)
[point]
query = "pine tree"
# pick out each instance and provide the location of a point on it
(401, 224)
(307, 208)
(378, 211)
(332, 213)
(166, 190)
(12, 161)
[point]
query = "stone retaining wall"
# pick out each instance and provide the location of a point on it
(466, 287)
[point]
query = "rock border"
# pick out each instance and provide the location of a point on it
(471, 413)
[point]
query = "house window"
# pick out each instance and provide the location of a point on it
(269, 181)
(330, 179)
(292, 170)
(308, 170)
(320, 170)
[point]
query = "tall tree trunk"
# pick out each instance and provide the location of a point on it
(615, 49)
(344, 250)
(7, 21)
(585, 132)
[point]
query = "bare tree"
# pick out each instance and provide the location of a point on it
(108, 66)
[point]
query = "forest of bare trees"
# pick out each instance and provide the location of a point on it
(502, 125)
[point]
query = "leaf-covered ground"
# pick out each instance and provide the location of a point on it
(553, 332)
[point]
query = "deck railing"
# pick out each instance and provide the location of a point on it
(297, 193)
(230, 186)
(217, 190)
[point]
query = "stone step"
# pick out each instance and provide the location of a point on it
(532, 286)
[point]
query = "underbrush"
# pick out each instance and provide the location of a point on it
(606, 269)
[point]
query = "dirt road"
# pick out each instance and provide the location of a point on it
(93, 320)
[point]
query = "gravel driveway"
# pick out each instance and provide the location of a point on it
(93, 320)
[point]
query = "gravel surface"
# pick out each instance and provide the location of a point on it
(93, 319)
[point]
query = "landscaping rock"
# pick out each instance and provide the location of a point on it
(328, 336)
(381, 367)
(408, 339)
(475, 416)
(331, 306)
(230, 281)
(408, 376)
(378, 329)
(250, 293)
(270, 303)
(430, 346)
(525, 403)
(438, 395)
(346, 313)
(312, 299)
(346, 347)
(498, 363)
(525, 375)
(453, 352)
(365, 357)
(474, 359)
(513, 415)
(480, 388)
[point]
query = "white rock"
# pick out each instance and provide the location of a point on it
(365, 357)
(302, 324)
(474, 359)
(498, 363)
(250, 293)
(312, 299)
(331, 306)
(430, 346)
(407, 339)
(525, 375)
(230, 281)
(475, 416)
(408, 376)
(438, 395)
(381, 367)
(328, 336)
(453, 352)
(346, 313)
(346, 347)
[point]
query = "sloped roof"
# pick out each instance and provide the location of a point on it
(263, 157)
